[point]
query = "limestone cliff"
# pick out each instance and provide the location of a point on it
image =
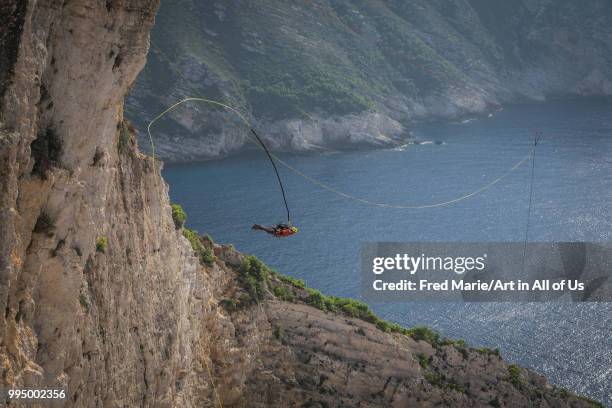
(103, 295)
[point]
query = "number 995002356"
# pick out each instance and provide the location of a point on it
(33, 394)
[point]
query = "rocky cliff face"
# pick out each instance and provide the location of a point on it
(105, 298)
(326, 73)
(96, 285)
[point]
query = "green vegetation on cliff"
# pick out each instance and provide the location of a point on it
(178, 216)
(259, 280)
(101, 244)
(278, 60)
(204, 253)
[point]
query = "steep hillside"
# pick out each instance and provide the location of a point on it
(108, 297)
(331, 73)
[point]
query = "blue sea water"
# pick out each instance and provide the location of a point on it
(572, 201)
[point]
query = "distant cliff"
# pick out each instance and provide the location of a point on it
(107, 296)
(328, 73)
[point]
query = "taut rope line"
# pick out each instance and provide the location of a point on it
(319, 183)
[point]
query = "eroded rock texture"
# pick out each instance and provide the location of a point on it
(98, 289)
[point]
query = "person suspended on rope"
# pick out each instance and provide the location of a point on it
(278, 230)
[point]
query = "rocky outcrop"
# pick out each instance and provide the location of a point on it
(284, 350)
(294, 68)
(96, 285)
(106, 299)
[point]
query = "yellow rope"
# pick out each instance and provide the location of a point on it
(210, 376)
(321, 184)
(213, 384)
(311, 179)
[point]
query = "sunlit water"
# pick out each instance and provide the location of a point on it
(570, 343)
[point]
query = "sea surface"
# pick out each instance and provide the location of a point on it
(570, 343)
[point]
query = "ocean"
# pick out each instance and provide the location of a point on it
(572, 201)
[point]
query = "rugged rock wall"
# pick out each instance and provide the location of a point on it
(104, 298)
(310, 74)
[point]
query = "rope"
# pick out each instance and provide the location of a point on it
(407, 207)
(213, 384)
(536, 140)
(280, 183)
(318, 183)
(210, 376)
(305, 176)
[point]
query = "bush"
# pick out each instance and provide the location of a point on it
(435, 379)
(178, 216)
(316, 299)
(463, 351)
(207, 257)
(298, 283)
(231, 305)
(283, 293)
(592, 402)
(351, 307)
(441, 381)
(193, 238)
(383, 326)
(451, 385)
(488, 351)
(84, 302)
(514, 375)
(563, 393)
(101, 244)
(423, 361)
(204, 254)
(426, 334)
(254, 277)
